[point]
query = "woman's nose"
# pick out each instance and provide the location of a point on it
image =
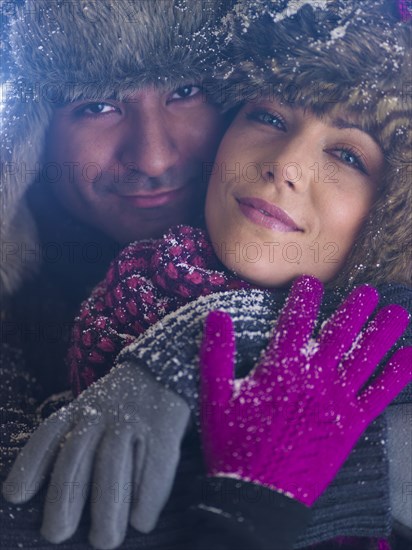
(291, 165)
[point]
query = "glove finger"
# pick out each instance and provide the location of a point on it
(292, 332)
(70, 483)
(378, 338)
(297, 318)
(112, 489)
(217, 356)
(34, 461)
(340, 331)
(153, 483)
(396, 374)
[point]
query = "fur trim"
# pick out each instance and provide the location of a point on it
(79, 48)
(63, 51)
(19, 251)
(329, 56)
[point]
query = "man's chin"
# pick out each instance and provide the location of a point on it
(153, 229)
(127, 223)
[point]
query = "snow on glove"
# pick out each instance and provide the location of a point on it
(121, 439)
(291, 423)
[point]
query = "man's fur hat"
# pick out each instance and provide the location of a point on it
(328, 56)
(63, 50)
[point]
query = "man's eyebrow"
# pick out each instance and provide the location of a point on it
(86, 99)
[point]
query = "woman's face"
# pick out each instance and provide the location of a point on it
(289, 192)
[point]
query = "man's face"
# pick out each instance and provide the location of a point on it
(289, 192)
(133, 168)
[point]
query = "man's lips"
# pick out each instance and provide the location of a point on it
(266, 214)
(155, 200)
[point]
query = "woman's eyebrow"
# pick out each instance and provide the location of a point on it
(343, 124)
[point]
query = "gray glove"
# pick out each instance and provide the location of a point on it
(119, 441)
(400, 466)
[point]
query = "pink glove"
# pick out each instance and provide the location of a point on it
(291, 423)
(405, 12)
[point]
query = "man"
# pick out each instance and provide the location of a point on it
(106, 133)
(106, 136)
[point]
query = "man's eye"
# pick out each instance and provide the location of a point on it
(185, 92)
(271, 119)
(97, 109)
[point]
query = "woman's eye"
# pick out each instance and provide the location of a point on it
(97, 109)
(352, 159)
(270, 119)
(185, 92)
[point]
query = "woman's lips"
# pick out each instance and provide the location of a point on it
(266, 214)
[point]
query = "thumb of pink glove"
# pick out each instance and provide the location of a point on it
(292, 422)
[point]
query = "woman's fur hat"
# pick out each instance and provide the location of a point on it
(63, 50)
(328, 55)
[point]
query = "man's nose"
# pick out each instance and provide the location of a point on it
(149, 148)
(292, 165)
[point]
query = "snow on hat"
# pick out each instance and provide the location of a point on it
(62, 51)
(328, 56)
